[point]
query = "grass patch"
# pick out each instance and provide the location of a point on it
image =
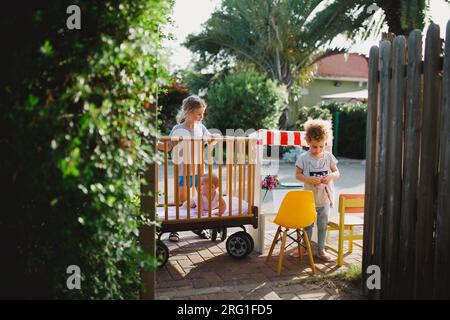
(347, 281)
(352, 274)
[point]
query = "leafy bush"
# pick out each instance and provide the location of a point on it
(244, 100)
(170, 100)
(316, 112)
(352, 131)
(75, 126)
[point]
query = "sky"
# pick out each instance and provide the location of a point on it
(189, 15)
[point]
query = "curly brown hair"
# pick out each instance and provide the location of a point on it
(317, 129)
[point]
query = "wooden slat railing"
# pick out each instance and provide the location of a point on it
(239, 163)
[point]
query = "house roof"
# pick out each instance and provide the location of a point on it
(358, 95)
(340, 65)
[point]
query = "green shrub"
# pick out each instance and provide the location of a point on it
(316, 112)
(75, 126)
(170, 100)
(245, 101)
(352, 128)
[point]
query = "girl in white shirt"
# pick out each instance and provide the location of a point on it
(189, 124)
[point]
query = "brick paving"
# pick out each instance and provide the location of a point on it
(200, 269)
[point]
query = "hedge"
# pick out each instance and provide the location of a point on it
(352, 128)
(75, 124)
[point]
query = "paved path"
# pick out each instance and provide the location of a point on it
(202, 269)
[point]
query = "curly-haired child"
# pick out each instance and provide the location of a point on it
(317, 169)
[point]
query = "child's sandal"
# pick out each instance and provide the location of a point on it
(174, 237)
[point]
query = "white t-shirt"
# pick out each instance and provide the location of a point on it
(313, 167)
(180, 130)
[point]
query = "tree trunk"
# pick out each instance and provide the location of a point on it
(293, 112)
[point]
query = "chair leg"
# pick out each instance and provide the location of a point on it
(340, 261)
(274, 242)
(299, 245)
(308, 247)
(350, 245)
(283, 244)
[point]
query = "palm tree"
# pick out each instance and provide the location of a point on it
(403, 16)
(278, 37)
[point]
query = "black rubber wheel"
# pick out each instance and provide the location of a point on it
(238, 245)
(250, 240)
(162, 253)
(213, 234)
(223, 235)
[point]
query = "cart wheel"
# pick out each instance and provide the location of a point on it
(223, 236)
(213, 234)
(238, 245)
(250, 240)
(162, 253)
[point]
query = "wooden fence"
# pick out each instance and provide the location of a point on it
(407, 212)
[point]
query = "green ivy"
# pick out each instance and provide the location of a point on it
(75, 127)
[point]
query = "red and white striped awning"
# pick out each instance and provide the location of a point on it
(281, 138)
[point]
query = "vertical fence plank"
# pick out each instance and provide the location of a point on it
(186, 172)
(220, 162)
(210, 165)
(252, 160)
(442, 254)
(166, 182)
(394, 163)
(244, 170)
(371, 173)
(226, 166)
(198, 152)
(147, 233)
(235, 165)
(156, 181)
(385, 57)
(413, 113)
(239, 165)
(193, 162)
(426, 208)
(249, 174)
(230, 161)
(176, 162)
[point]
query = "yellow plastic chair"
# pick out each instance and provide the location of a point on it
(351, 214)
(297, 211)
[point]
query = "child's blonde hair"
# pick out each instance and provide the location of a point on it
(317, 129)
(189, 104)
